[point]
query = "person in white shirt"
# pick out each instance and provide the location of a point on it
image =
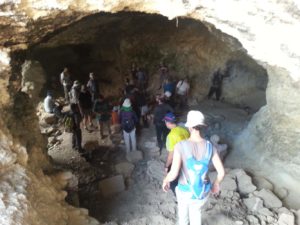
(65, 80)
(49, 104)
(182, 91)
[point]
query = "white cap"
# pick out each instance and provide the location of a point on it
(194, 118)
(168, 94)
(127, 102)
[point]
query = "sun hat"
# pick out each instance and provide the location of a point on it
(195, 118)
(170, 117)
(126, 103)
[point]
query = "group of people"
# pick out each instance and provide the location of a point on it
(189, 153)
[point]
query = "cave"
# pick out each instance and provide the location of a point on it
(254, 117)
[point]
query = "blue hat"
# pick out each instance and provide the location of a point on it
(170, 117)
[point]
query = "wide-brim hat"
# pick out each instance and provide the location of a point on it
(195, 118)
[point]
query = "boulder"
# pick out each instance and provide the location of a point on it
(281, 192)
(49, 118)
(134, 156)
(228, 184)
(252, 219)
(124, 168)
(112, 185)
(253, 204)
(244, 182)
(286, 218)
(270, 199)
(297, 213)
(261, 182)
(265, 212)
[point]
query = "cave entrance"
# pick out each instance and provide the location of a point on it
(108, 44)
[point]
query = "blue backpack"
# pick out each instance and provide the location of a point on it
(198, 183)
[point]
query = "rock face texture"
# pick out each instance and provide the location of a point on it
(269, 31)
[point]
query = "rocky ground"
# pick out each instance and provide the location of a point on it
(126, 189)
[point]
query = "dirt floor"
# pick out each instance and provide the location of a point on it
(143, 201)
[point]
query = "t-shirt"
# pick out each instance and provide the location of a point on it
(182, 87)
(176, 135)
(49, 104)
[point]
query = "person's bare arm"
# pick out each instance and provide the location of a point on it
(169, 161)
(220, 171)
(176, 165)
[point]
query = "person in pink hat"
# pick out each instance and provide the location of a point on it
(191, 160)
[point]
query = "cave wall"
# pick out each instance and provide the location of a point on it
(269, 31)
(108, 44)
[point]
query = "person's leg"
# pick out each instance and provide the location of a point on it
(108, 127)
(66, 92)
(79, 139)
(133, 139)
(183, 209)
(85, 119)
(101, 123)
(127, 141)
(195, 213)
(165, 132)
(74, 139)
(211, 92)
(218, 93)
(159, 135)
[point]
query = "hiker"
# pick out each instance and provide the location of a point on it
(182, 91)
(176, 135)
(74, 93)
(65, 80)
(103, 113)
(85, 106)
(163, 74)
(129, 87)
(160, 111)
(50, 106)
(216, 86)
(128, 120)
(191, 162)
(92, 86)
(141, 79)
(76, 130)
(141, 102)
(169, 86)
(169, 99)
(133, 71)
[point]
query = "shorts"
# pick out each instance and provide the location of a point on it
(144, 110)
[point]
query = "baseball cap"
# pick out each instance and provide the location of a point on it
(170, 117)
(195, 118)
